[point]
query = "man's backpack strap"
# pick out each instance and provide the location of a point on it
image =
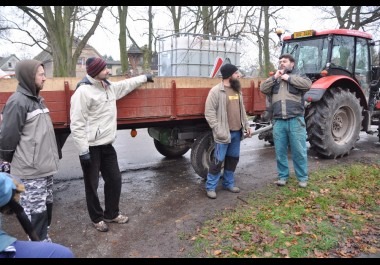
(84, 81)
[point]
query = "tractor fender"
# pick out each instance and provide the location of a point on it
(319, 87)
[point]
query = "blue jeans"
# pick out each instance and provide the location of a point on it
(291, 132)
(229, 154)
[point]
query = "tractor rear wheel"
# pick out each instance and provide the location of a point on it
(334, 123)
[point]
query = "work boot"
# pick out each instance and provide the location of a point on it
(211, 194)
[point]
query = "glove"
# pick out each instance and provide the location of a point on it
(85, 159)
(5, 167)
(149, 78)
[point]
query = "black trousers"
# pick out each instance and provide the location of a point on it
(103, 160)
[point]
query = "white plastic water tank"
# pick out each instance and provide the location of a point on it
(194, 54)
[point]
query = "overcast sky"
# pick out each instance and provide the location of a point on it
(106, 41)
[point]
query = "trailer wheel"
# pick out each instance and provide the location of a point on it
(334, 123)
(202, 152)
(171, 151)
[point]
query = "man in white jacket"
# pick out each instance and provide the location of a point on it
(93, 127)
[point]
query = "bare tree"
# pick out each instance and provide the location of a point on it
(124, 33)
(353, 17)
(59, 26)
(227, 21)
(123, 13)
(176, 14)
(4, 27)
(147, 49)
(260, 26)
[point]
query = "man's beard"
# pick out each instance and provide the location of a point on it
(39, 88)
(235, 84)
(103, 77)
(287, 70)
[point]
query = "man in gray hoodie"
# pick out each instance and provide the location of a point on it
(27, 141)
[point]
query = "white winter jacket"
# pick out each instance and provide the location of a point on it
(93, 111)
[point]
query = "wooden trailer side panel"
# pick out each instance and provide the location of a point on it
(167, 99)
(145, 104)
(258, 99)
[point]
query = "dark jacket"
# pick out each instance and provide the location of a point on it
(27, 137)
(286, 96)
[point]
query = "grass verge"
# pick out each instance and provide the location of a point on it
(338, 214)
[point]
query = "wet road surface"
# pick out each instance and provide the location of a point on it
(164, 198)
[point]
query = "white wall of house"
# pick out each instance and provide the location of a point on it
(10, 65)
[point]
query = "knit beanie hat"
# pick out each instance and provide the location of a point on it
(6, 187)
(228, 70)
(94, 66)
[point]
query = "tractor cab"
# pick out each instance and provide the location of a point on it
(334, 52)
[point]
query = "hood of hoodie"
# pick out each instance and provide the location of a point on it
(26, 75)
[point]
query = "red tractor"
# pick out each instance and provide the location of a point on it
(344, 97)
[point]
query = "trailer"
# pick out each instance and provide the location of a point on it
(171, 108)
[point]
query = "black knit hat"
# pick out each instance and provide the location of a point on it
(94, 66)
(228, 70)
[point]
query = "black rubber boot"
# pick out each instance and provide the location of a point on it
(49, 209)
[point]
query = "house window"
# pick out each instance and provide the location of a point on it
(80, 61)
(10, 65)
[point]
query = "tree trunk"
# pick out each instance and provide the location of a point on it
(59, 29)
(266, 41)
(123, 12)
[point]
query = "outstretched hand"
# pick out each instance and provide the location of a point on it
(149, 78)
